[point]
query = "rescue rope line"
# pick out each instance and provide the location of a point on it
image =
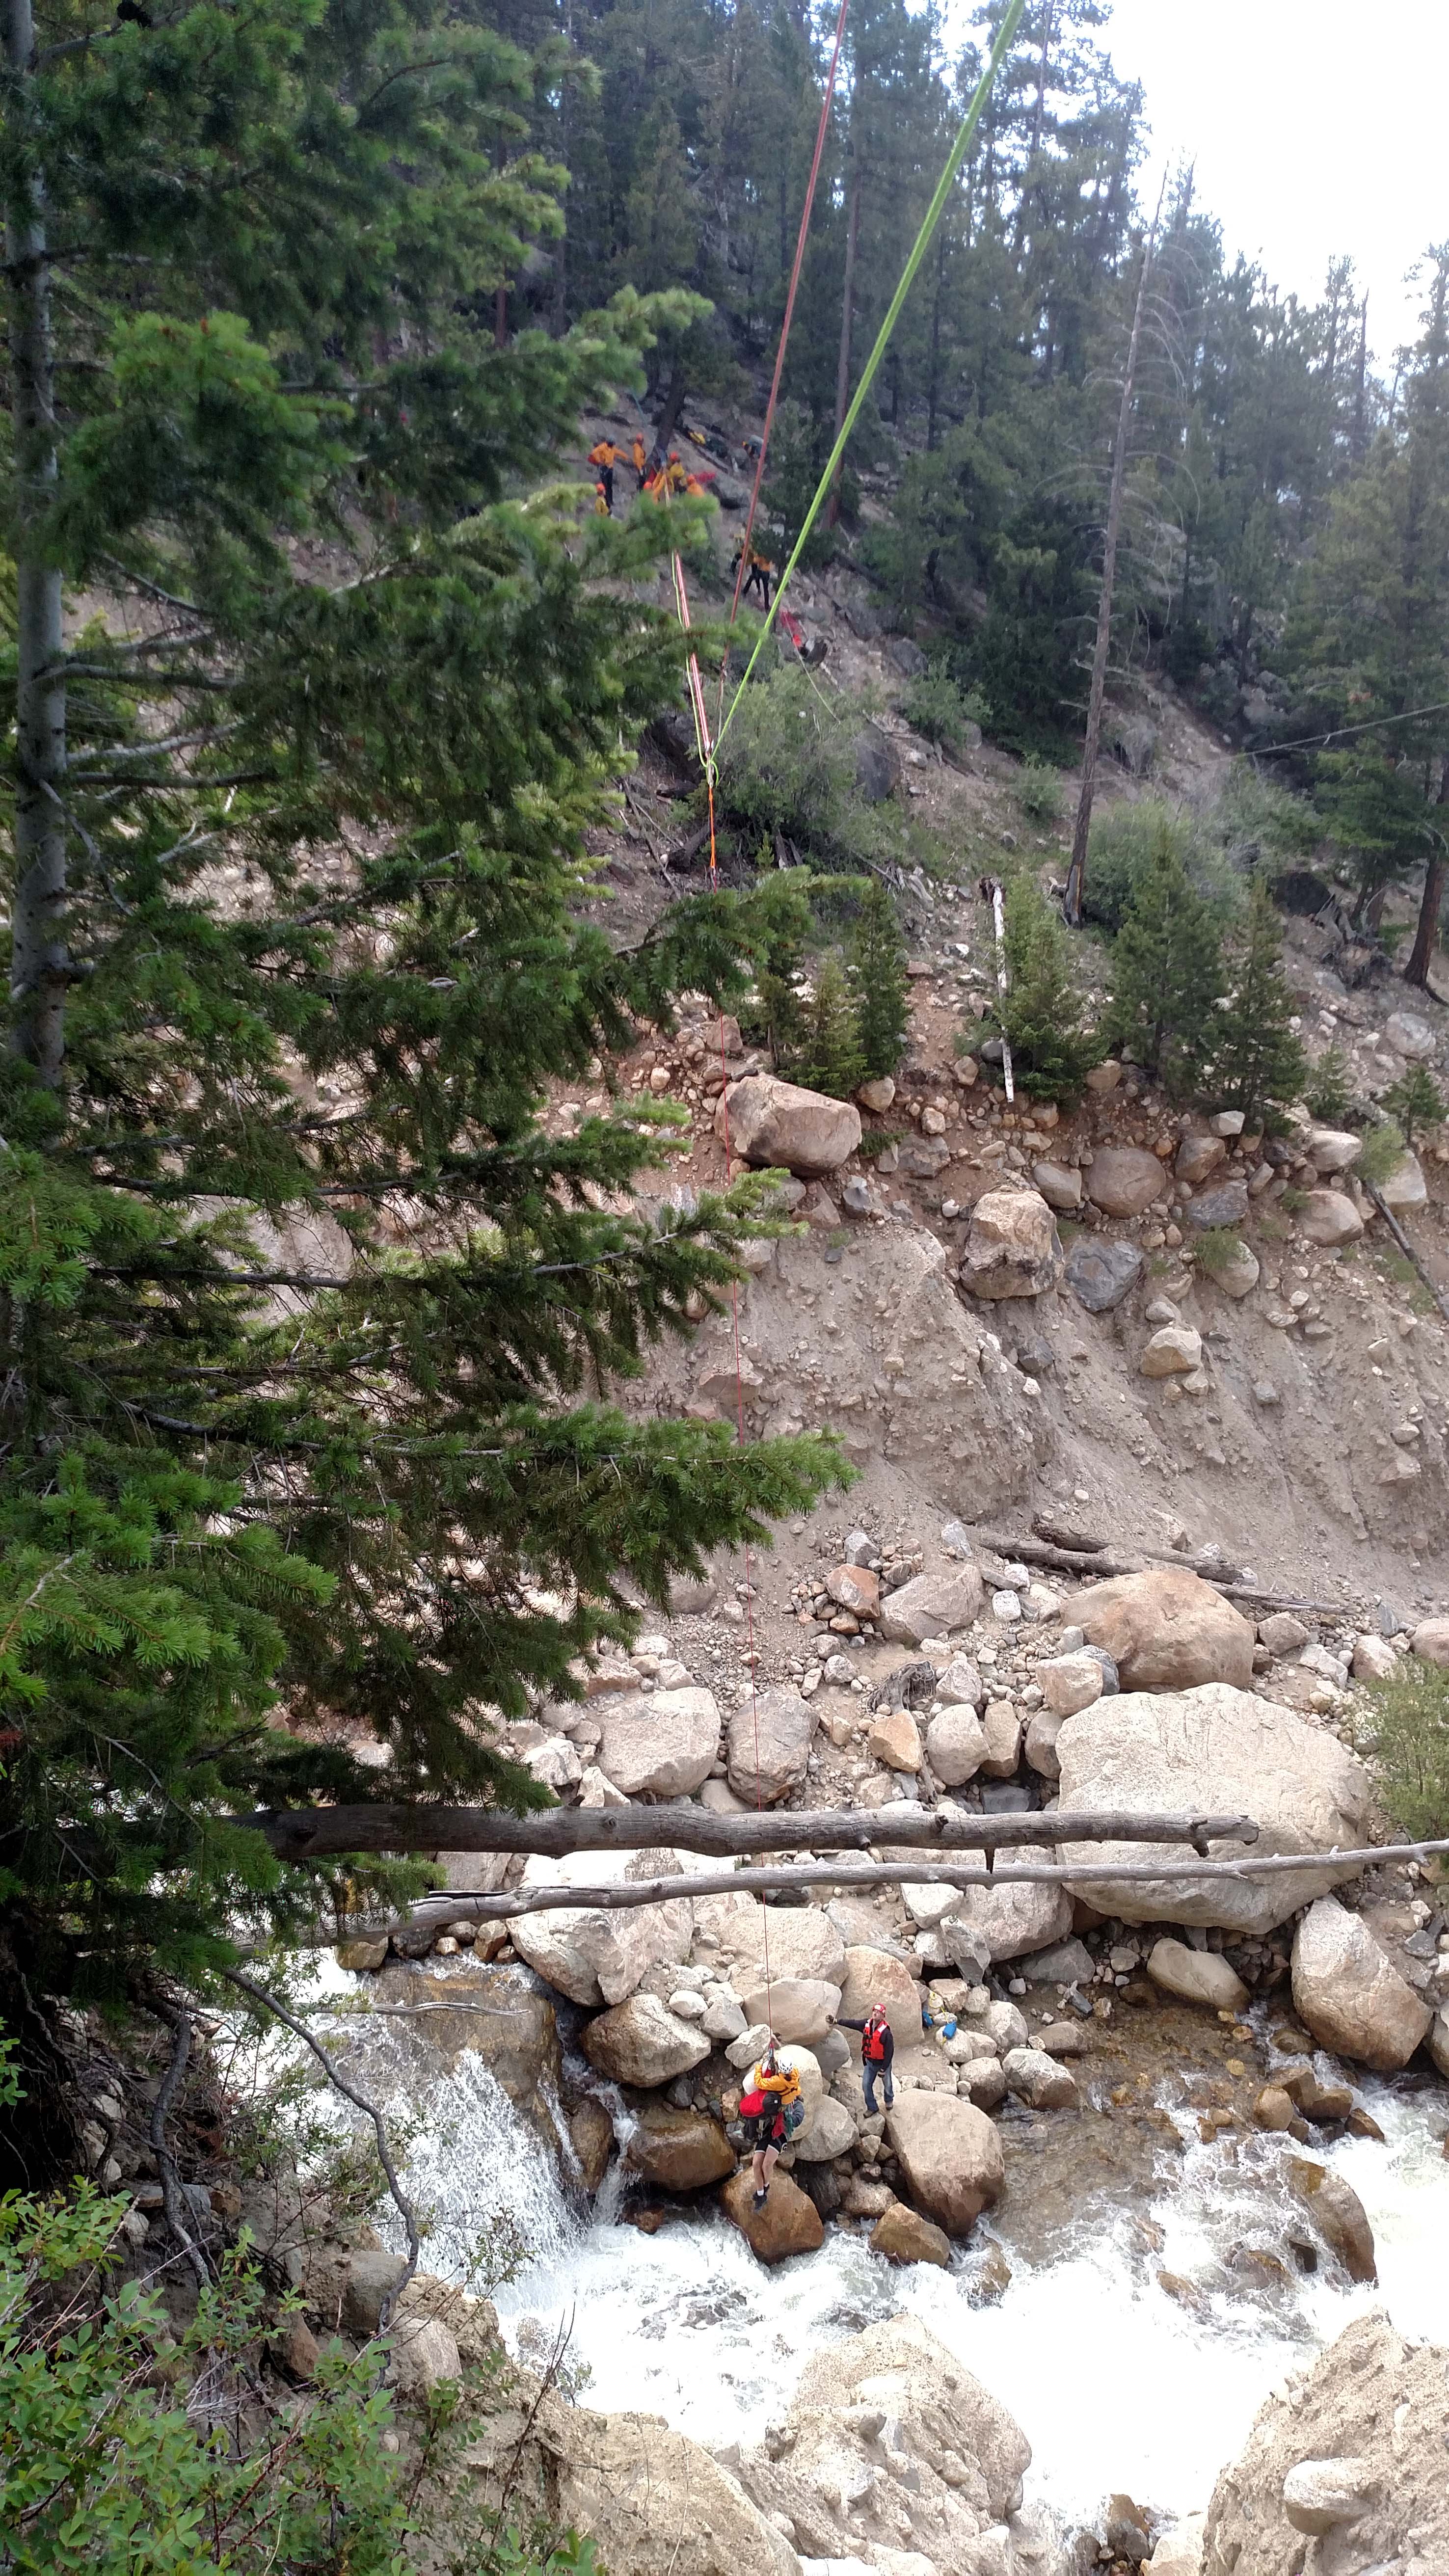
(805, 214)
(934, 211)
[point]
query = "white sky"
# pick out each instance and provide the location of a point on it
(1316, 126)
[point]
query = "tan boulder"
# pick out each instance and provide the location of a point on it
(873, 1977)
(1174, 1351)
(591, 1954)
(1013, 1920)
(1332, 1149)
(1328, 1218)
(932, 1605)
(1167, 1630)
(1349, 1992)
(1070, 1682)
(1123, 1180)
(1405, 1186)
(1196, 1976)
(359, 1956)
(652, 2501)
(855, 1587)
(956, 1744)
(1059, 1185)
(1011, 1247)
(903, 2236)
(1339, 2215)
(775, 1122)
(1196, 1157)
(1430, 1641)
(659, 1744)
(796, 2008)
(895, 1739)
(950, 2155)
(1001, 1726)
(788, 2224)
(641, 2042)
(591, 2135)
(795, 1940)
(1212, 1751)
(769, 1743)
(678, 2150)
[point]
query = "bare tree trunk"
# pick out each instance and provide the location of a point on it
(842, 364)
(1426, 935)
(673, 405)
(1077, 873)
(40, 969)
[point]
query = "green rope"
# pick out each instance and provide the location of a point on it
(933, 214)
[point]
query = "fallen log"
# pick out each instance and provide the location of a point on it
(1406, 1247)
(312, 1833)
(1102, 1567)
(624, 1895)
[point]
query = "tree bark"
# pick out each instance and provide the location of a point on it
(842, 363)
(1077, 872)
(1426, 936)
(40, 969)
(313, 1833)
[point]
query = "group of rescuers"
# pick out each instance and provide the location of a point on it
(660, 476)
(771, 2106)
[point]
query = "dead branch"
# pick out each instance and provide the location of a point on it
(1405, 1246)
(1098, 1564)
(171, 2200)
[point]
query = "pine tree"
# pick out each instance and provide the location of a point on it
(1414, 1102)
(829, 1057)
(879, 985)
(1040, 1015)
(1259, 1065)
(304, 1314)
(1167, 974)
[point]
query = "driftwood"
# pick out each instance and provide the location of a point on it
(1406, 1247)
(624, 1895)
(311, 1833)
(1098, 1563)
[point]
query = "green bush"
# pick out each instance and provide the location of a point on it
(787, 764)
(941, 711)
(879, 985)
(1123, 840)
(1258, 1065)
(1415, 1102)
(1404, 1728)
(1167, 970)
(828, 1057)
(1259, 824)
(1216, 1249)
(1327, 1095)
(1040, 793)
(1040, 1014)
(1381, 1152)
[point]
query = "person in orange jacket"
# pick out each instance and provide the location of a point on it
(601, 503)
(603, 458)
(640, 462)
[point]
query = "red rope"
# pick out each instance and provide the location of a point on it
(805, 213)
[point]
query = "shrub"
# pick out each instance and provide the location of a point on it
(1040, 793)
(1124, 839)
(1415, 1102)
(1381, 1152)
(1258, 1063)
(941, 711)
(879, 985)
(1216, 1249)
(1327, 1095)
(1404, 1726)
(829, 1057)
(1040, 1014)
(787, 764)
(1167, 972)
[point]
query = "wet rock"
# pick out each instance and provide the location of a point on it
(678, 2150)
(358, 1957)
(797, 2008)
(788, 2224)
(781, 1123)
(591, 2132)
(1012, 1248)
(1196, 1976)
(1349, 1992)
(1338, 2214)
(1438, 2040)
(1039, 2080)
(1100, 1273)
(1329, 1219)
(903, 2236)
(659, 1746)
(1122, 1180)
(1167, 1630)
(956, 1745)
(1125, 2531)
(769, 1744)
(950, 2155)
(1215, 1751)
(641, 2042)
(1276, 2110)
(594, 1955)
(895, 1739)
(931, 1605)
(472, 2005)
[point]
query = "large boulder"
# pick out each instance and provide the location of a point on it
(788, 2224)
(932, 1605)
(660, 1745)
(598, 1957)
(769, 1744)
(1012, 1248)
(1212, 1751)
(1101, 1271)
(829, 2132)
(956, 1744)
(1196, 1976)
(1329, 1219)
(678, 2150)
(777, 1122)
(1350, 1994)
(1352, 2454)
(1430, 1641)
(1226, 1204)
(641, 2042)
(1405, 1186)
(1167, 1630)
(796, 2008)
(1338, 2214)
(1013, 1919)
(1122, 1180)
(468, 2005)
(652, 2501)
(950, 2155)
(793, 1940)
(874, 1977)
(903, 2236)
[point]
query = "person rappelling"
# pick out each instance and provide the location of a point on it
(877, 2053)
(772, 2108)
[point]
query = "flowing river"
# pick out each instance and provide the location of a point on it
(1118, 2382)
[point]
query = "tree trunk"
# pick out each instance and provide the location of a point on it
(1427, 934)
(41, 967)
(1077, 873)
(842, 364)
(673, 405)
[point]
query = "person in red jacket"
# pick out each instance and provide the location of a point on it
(877, 2050)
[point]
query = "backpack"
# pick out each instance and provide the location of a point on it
(794, 2116)
(751, 2106)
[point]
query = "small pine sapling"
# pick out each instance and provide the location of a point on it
(878, 983)
(1415, 1102)
(1040, 1014)
(1328, 1095)
(829, 1059)
(1167, 974)
(1258, 1064)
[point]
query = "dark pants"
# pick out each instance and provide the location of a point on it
(870, 2068)
(606, 477)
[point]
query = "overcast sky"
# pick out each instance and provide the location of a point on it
(1316, 126)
